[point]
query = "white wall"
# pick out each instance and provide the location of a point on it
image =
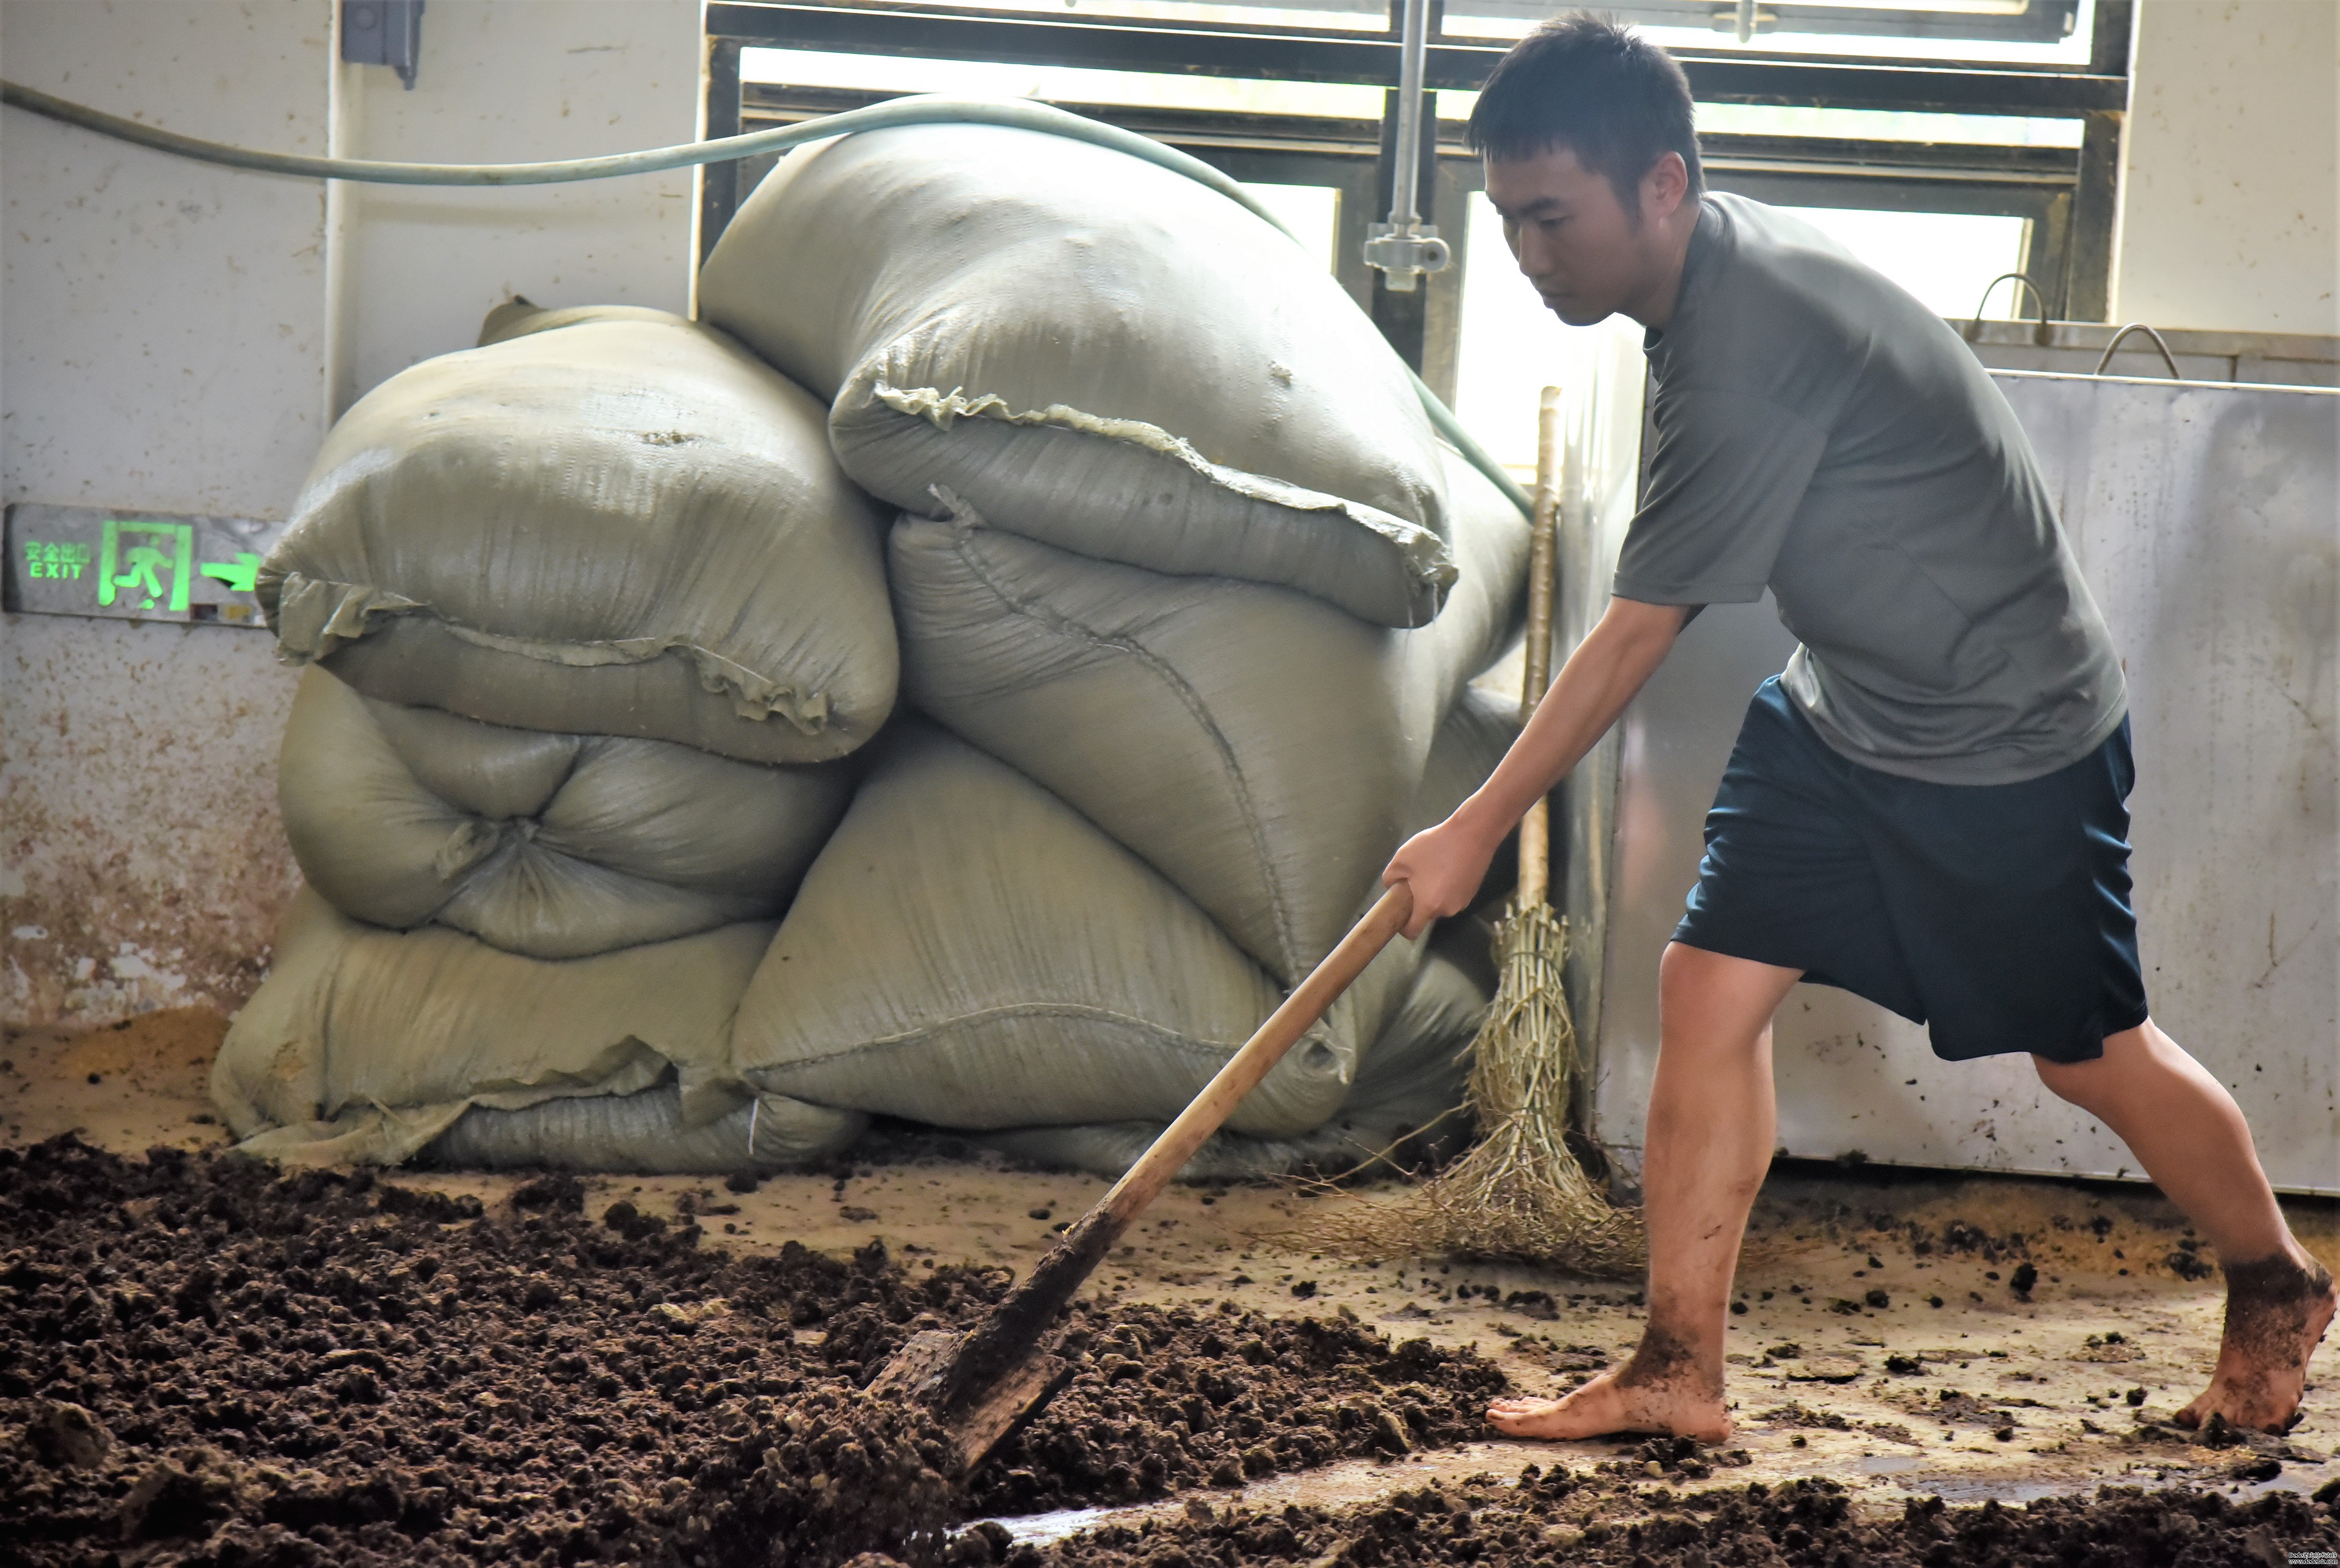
(2230, 200)
(171, 338)
(510, 81)
(163, 333)
(165, 319)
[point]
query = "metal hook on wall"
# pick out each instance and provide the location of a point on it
(2041, 334)
(2167, 358)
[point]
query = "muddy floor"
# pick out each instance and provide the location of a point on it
(202, 1361)
(197, 1346)
(1560, 1516)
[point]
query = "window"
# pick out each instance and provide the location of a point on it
(1311, 213)
(2025, 32)
(1067, 85)
(1946, 142)
(1945, 259)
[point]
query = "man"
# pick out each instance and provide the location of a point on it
(1926, 807)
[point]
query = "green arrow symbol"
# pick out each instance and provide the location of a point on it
(238, 574)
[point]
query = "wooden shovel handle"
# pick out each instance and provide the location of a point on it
(1247, 1067)
(1002, 1341)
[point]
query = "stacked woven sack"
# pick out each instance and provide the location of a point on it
(1186, 596)
(595, 628)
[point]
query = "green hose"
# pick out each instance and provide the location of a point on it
(1020, 113)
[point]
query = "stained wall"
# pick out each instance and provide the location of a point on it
(175, 338)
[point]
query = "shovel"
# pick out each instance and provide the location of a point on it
(985, 1384)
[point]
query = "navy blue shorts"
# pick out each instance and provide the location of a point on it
(1997, 915)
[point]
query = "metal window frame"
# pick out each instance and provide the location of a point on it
(2068, 196)
(908, 29)
(2036, 22)
(2027, 22)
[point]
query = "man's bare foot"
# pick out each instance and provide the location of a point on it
(1661, 1389)
(2277, 1309)
(1604, 1405)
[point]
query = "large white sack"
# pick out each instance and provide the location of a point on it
(1405, 1109)
(1037, 325)
(365, 1044)
(1406, 1104)
(1472, 740)
(619, 526)
(971, 952)
(554, 846)
(1257, 747)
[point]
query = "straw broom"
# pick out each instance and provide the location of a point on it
(1519, 1192)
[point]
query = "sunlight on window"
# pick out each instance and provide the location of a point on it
(1886, 125)
(1511, 346)
(1057, 85)
(1848, 125)
(1311, 214)
(1945, 259)
(1346, 15)
(1513, 18)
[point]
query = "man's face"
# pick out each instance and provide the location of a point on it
(1586, 254)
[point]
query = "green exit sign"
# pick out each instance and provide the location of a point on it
(133, 565)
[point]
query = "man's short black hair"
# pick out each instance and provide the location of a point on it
(1593, 85)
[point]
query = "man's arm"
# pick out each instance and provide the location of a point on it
(1444, 865)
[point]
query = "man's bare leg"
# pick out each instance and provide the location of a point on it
(2187, 1133)
(1711, 1123)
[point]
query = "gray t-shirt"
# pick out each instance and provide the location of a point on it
(1821, 433)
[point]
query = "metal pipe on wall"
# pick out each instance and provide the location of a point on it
(1405, 175)
(1405, 248)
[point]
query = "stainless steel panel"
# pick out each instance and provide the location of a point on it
(2073, 348)
(1602, 485)
(2205, 517)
